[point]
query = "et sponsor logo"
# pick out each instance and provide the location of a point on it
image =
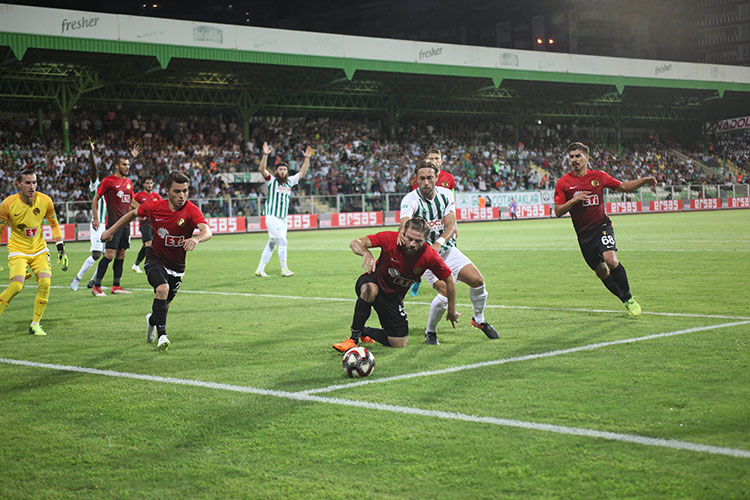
(78, 24)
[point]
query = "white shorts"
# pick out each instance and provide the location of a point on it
(276, 227)
(97, 245)
(454, 259)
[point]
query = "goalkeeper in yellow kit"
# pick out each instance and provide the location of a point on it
(24, 212)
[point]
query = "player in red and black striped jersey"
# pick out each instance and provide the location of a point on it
(386, 281)
(174, 220)
(147, 230)
(580, 192)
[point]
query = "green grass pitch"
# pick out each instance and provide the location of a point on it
(244, 404)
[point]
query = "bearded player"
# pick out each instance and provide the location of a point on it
(580, 192)
(174, 220)
(386, 281)
(24, 212)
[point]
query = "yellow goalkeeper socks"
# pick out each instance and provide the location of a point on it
(42, 297)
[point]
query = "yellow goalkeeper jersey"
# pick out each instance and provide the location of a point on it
(26, 235)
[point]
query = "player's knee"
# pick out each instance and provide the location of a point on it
(398, 341)
(162, 291)
(440, 287)
(282, 242)
(602, 271)
(14, 288)
(611, 262)
(368, 292)
(272, 242)
(44, 286)
(95, 254)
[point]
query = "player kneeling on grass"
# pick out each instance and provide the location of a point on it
(174, 220)
(386, 282)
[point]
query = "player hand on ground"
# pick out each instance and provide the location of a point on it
(308, 152)
(368, 262)
(453, 317)
(189, 244)
(267, 149)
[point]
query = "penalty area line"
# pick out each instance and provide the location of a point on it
(490, 306)
(404, 410)
(527, 357)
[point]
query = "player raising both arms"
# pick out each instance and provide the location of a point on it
(24, 212)
(174, 221)
(580, 192)
(436, 204)
(147, 231)
(386, 281)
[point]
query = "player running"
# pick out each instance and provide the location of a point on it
(174, 221)
(580, 192)
(25, 212)
(437, 205)
(386, 281)
(276, 208)
(147, 231)
(117, 191)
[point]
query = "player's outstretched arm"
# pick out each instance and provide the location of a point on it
(451, 228)
(450, 286)
(361, 246)
(263, 167)
(401, 228)
(125, 219)
(93, 169)
(135, 150)
(630, 186)
(563, 209)
(204, 234)
(306, 164)
(95, 211)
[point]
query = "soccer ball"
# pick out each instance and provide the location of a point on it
(358, 362)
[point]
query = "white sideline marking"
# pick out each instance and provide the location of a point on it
(405, 410)
(492, 306)
(527, 357)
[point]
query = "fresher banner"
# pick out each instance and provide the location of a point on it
(356, 219)
(705, 203)
(533, 211)
(624, 207)
(295, 222)
(503, 198)
(732, 124)
(68, 233)
(739, 202)
(485, 213)
(665, 205)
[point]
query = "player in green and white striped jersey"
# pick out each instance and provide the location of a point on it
(438, 206)
(97, 245)
(276, 207)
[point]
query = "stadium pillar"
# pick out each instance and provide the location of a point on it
(247, 109)
(40, 119)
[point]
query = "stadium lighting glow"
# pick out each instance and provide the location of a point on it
(539, 41)
(550, 41)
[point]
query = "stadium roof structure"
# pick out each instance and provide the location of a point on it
(70, 57)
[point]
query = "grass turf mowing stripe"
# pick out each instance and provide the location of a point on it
(527, 357)
(491, 306)
(405, 410)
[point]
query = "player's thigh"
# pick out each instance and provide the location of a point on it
(276, 227)
(595, 245)
(41, 264)
(156, 275)
(392, 316)
(95, 237)
(147, 232)
(17, 265)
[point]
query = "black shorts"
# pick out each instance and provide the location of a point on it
(594, 243)
(390, 309)
(158, 274)
(147, 231)
(120, 240)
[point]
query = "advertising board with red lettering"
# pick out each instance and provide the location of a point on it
(533, 211)
(478, 213)
(294, 222)
(665, 205)
(739, 202)
(624, 207)
(356, 219)
(705, 203)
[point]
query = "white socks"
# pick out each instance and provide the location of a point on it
(437, 309)
(478, 297)
(282, 253)
(87, 264)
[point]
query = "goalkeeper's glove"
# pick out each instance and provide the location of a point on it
(62, 257)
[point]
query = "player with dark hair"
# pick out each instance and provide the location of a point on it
(437, 205)
(25, 212)
(147, 231)
(174, 221)
(580, 192)
(117, 191)
(386, 281)
(276, 208)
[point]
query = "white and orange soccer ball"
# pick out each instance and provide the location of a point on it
(358, 362)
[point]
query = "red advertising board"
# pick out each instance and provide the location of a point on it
(665, 205)
(356, 219)
(293, 222)
(533, 211)
(68, 233)
(739, 202)
(624, 207)
(217, 225)
(478, 213)
(705, 203)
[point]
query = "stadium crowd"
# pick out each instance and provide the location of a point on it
(350, 156)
